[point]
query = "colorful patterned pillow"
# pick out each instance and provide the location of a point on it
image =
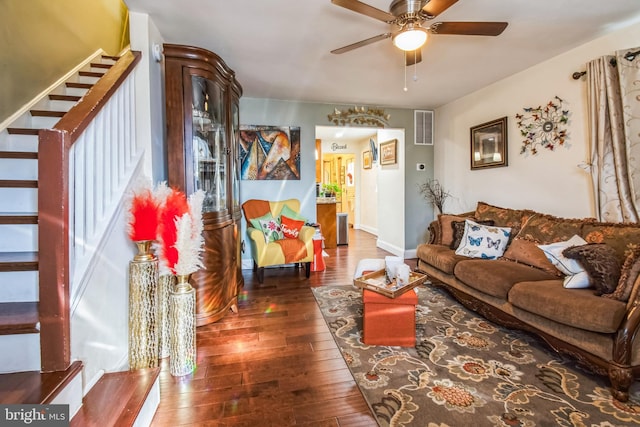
(601, 264)
(482, 241)
(576, 276)
(271, 229)
(255, 222)
(290, 227)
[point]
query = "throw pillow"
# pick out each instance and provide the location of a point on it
(446, 229)
(577, 281)
(290, 227)
(628, 277)
(601, 264)
(271, 229)
(482, 241)
(458, 231)
(255, 222)
(288, 212)
(567, 266)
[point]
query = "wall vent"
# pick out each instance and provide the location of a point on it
(423, 127)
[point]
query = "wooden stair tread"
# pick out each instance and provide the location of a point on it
(90, 74)
(99, 65)
(14, 218)
(116, 399)
(114, 58)
(18, 155)
(34, 386)
(56, 97)
(19, 318)
(79, 85)
(18, 261)
(18, 183)
(47, 113)
(23, 131)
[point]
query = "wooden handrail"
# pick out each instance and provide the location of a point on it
(53, 214)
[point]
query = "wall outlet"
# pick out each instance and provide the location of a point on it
(421, 167)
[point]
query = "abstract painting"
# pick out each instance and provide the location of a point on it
(269, 152)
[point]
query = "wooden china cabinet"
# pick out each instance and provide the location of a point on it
(202, 113)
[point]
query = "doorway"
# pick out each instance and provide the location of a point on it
(339, 163)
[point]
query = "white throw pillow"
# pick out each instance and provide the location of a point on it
(577, 281)
(576, 275)
(483, 241)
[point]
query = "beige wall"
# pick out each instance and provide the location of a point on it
(550, 182)
(41, 40)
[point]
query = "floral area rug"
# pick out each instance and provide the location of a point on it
(467, 371)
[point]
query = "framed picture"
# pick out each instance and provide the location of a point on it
(489, 144)
(388, 152)
(366, 160)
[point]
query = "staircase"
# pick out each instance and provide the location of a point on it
(34, 367)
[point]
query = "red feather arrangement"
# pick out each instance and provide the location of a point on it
(143, 217)
(175, 206)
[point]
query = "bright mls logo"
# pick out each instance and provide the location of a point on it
(34, 415)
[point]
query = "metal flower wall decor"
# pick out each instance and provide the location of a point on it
(366, 116)
(543, 127)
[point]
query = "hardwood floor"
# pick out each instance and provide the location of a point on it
(275, 362)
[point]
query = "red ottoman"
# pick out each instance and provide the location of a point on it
(389, 321)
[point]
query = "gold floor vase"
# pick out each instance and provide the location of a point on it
(143, 306)
(182, 320)
(166, 282)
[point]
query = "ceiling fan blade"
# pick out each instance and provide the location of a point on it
(413, 57)
(469, 28)
(362, 43)
(434, 8)
(365, 9)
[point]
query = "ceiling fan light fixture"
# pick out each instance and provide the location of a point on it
(410, 38)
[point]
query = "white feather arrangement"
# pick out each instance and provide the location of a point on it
(189, 242)
(188, 248)
(195, 208)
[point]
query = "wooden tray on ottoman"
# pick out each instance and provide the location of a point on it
(378, 282)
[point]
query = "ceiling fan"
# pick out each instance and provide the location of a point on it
(406, 19)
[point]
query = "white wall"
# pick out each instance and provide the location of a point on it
(149, 95)
(550, 182)
(391, 196)
(367, 190)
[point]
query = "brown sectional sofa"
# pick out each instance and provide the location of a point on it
(524, 290)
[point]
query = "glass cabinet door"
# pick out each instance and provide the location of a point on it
(235, 170)
(210, 146)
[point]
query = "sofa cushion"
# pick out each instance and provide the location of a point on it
(621, 237)
(458, 231)
(438, 256)
(496, 277)
(628, 276)
(578, 308)
(446, 227)
(601, 264)
(483, 241)
(502, 217)
(541, 229)
(575, 274)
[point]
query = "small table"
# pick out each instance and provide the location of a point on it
(389, 310)
(389, 321)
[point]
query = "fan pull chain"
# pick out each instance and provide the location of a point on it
(405, 71)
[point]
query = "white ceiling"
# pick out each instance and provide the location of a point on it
(281, 48)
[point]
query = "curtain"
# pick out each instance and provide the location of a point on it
(614, 121)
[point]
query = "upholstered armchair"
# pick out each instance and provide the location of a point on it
(278, 234)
